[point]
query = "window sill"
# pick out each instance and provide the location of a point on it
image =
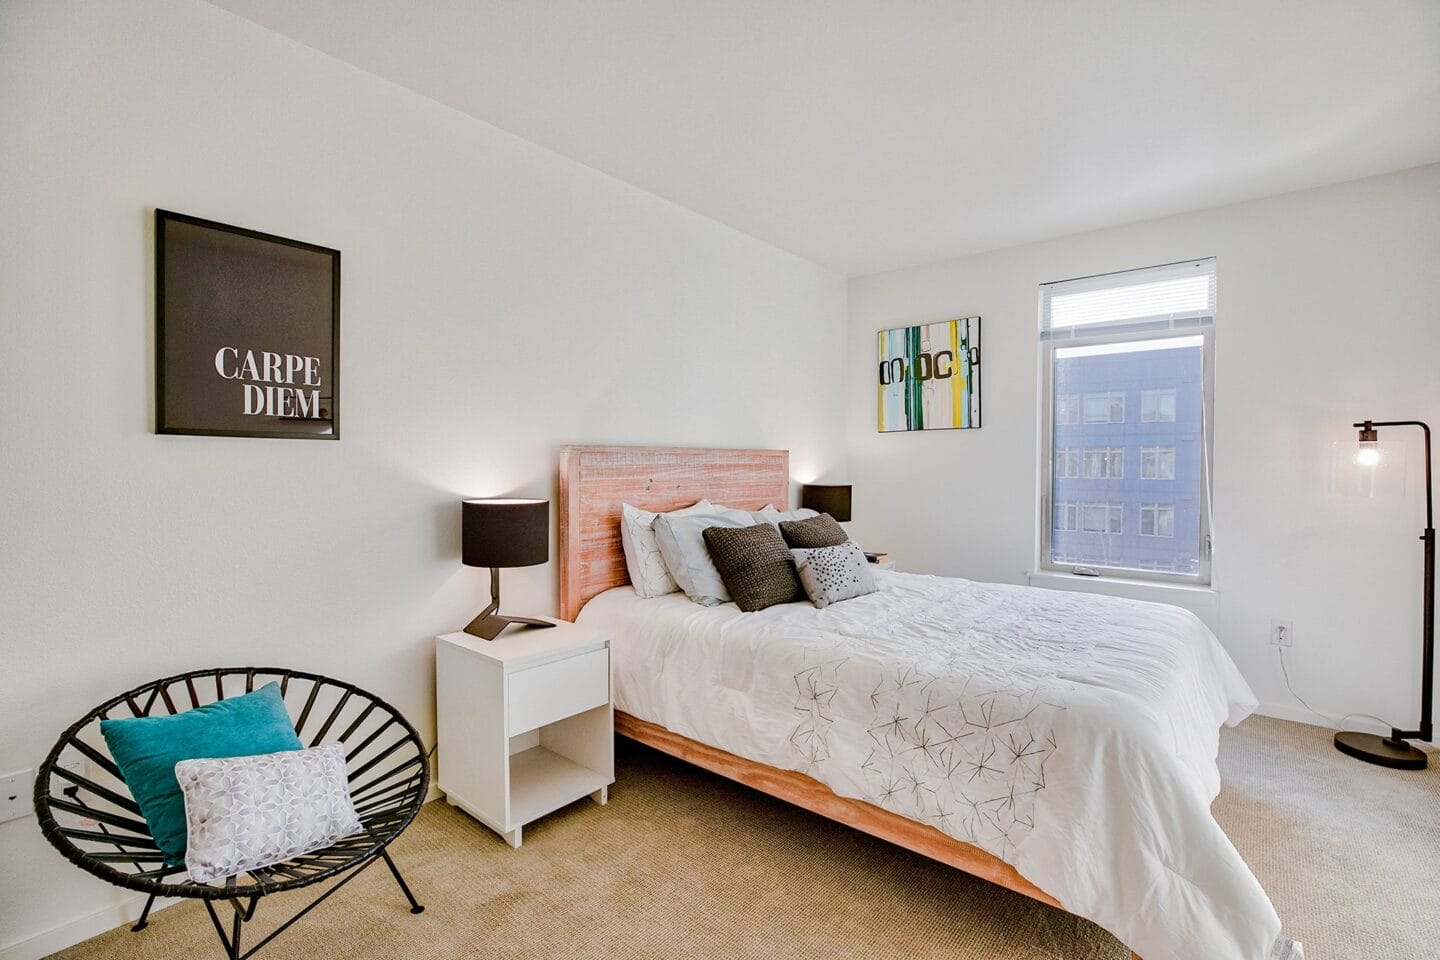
(1200, 599)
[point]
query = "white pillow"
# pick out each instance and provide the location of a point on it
(682, 544)
(768, 514)
(832, 574)
(244, 813)
(642, 557)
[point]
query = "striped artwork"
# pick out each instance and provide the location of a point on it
(929, 377)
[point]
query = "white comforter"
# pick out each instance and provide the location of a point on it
(1072, 735)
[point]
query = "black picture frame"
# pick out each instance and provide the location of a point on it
(274, 302)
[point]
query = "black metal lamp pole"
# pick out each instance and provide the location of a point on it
(1393, 751)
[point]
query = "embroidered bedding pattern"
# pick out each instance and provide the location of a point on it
(966, 758)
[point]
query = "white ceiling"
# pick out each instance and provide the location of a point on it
(872, 135)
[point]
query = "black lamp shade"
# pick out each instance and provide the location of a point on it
(505, 533)
(831, 498)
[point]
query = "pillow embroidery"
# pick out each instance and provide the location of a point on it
(648, 573)
(251, 812)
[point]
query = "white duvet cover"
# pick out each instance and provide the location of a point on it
(1072, 735)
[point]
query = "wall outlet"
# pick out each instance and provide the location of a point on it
(15, 790)
(1282, 633)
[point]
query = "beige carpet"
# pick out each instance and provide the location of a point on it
(684, 864)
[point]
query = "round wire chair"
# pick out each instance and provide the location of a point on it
(86, 811)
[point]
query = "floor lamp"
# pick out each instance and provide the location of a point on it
(1394, 751)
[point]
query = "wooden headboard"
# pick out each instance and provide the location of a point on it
(595, 481)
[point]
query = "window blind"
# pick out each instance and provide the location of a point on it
(1173, 297)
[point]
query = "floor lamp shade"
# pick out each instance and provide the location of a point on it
(503, 533)
(831, 498)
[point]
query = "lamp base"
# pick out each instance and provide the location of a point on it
(1381, 751)
(488, 625)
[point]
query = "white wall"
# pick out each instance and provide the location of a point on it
(498, 300)
(1329, 312)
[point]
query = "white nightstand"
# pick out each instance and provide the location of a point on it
(526, 723)
(883, 562)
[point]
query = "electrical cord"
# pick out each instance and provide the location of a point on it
(1337, 724)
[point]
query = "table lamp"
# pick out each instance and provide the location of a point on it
(831, 498)
(503, 533)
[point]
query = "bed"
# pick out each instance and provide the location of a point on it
(1059, 745)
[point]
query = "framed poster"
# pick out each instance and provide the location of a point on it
(929, 377)
(247, 332)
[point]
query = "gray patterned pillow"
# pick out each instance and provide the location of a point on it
(249, 812)
(755, 565)
(818, 531)
(832, 574)
(682, 544)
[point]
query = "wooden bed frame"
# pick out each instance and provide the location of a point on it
(594, 482)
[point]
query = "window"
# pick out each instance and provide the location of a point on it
(1157, 406)
(1104, 408)
(1157, 519)
(1157, 463)
(1067, 409)
(1102, 517)
(1112, 345)
(1107, 463)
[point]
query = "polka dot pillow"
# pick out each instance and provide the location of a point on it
(832, 574)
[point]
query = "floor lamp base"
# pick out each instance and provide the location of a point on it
(1381, 751)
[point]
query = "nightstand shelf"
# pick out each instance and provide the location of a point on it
(542, 781)
(526, 723)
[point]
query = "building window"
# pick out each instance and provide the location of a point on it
(1105, 408)
(1110, 346)
(1067, 409)
(1106, 463)
(1157, 463)
(1102, 517)
(1157, 519)
(1157, 406)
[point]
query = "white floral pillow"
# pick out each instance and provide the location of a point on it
(648, 573)
(244, 813)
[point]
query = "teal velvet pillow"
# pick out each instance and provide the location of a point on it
(146, 750)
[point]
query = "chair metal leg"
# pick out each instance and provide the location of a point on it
(415, 907)
(235, 935)
(144, 920)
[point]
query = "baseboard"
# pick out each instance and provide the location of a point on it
(1298, 714)
(83, 928)
(1295, 714)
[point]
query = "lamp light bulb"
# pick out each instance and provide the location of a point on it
(1368, 455)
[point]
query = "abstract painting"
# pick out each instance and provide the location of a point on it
(929, 377)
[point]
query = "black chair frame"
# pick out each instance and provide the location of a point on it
(94, 822)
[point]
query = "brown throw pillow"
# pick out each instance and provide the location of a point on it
(755, 565)
(821, 531)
